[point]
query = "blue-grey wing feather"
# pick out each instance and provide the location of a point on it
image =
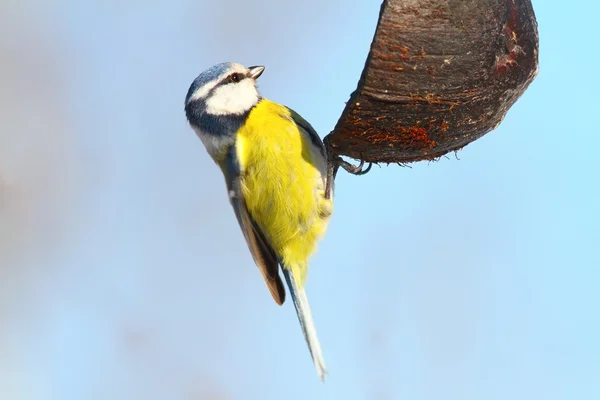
(265, 258)
(307, 127)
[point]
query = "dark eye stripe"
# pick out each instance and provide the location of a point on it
(227, 80)
(234, 78)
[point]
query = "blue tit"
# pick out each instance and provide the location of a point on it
(275, 169)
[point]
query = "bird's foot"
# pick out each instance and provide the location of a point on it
(353, 169)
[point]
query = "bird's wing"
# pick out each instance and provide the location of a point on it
(310, 131)
(261, 251)
(317, 143)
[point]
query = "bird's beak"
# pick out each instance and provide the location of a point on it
(256, 71)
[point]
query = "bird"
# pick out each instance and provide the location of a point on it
(275, 169)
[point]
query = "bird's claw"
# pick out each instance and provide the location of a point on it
(332, 169)
(354, 169)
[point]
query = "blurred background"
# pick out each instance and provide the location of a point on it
(123, 273)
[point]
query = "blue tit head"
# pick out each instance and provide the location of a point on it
(224, 89)
(219, 101)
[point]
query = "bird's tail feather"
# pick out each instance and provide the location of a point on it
(306, 322)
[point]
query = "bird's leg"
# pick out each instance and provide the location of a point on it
(334, 162)
(332, 169)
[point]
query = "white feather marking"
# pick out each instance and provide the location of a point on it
(201, 92)
(233, 98)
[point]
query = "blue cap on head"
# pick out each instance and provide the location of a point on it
(207, 76)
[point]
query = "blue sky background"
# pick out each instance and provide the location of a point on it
(123, 274)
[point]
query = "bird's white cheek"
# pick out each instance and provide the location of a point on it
(233, 98)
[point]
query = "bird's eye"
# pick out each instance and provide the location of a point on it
(235, 77)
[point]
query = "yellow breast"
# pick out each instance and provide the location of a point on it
(282, 183)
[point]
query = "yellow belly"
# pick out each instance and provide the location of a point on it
(282, 184)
